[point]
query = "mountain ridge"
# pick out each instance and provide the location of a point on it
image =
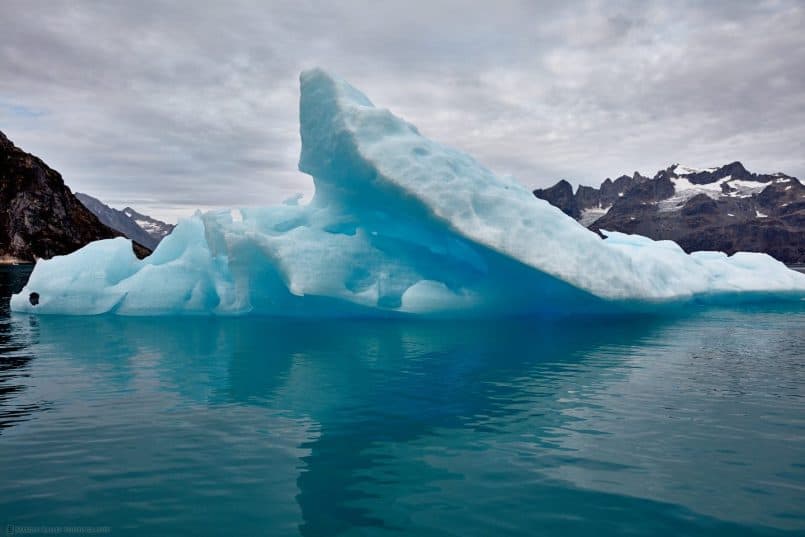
(132, 224)
(725, 208)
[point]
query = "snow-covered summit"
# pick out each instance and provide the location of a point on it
(681, 170)
(155, 228)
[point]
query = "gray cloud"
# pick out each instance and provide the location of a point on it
(173, 106)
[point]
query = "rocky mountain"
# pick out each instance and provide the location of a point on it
(136, 226)
(726, 208)
(41, 217)
(155, 228)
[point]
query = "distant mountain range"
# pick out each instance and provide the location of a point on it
(727, 208)
(134, 225)
(41, 217)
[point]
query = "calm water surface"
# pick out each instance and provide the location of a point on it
(664, 426)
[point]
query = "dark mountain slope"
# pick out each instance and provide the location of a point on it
(41, 217)
(136, 226)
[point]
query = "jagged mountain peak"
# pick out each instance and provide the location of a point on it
(682, 169)
(560, 195)
(131, 223)
(734, 170)
(726, 208)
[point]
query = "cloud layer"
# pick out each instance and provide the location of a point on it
(171, 106)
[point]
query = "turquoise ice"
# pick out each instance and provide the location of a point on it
(398, 225)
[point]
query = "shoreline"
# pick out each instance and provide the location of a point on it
(9, 260)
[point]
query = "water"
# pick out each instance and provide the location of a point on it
(665, 426)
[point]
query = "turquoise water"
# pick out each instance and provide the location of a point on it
(666, 426)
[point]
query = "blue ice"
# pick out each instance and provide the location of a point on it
(399, 225)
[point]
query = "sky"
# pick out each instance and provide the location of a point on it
(173, 106)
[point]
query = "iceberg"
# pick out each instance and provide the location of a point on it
(399, 225)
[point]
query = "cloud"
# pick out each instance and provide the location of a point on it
(178, 105)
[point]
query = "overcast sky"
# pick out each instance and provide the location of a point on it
(170, 106)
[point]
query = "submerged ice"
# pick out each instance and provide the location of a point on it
(399, 224)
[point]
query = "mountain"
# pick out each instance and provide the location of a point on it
(41, 217)
(136, 226)
(726, 208)
(157, 229)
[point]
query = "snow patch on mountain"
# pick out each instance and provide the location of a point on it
(589, 216)
(155, 228)
(721, 188)
(688, 170)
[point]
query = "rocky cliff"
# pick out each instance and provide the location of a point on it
(726, 208)
(41, 217)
